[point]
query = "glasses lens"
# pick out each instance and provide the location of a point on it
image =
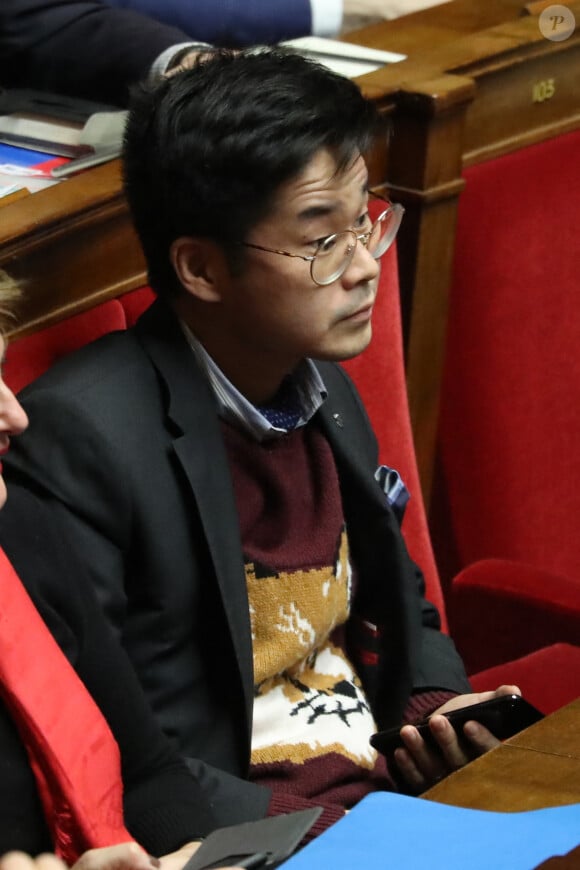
(332, 257)
(384, 230)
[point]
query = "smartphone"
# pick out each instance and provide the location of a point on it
(503, 716)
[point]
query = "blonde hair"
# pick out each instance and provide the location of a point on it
(9, 294)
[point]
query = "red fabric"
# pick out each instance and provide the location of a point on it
(28, 357)
(72, 752)
(523, 608)
(379, 375)
(510, 418)
(135, 302)
(549, 678)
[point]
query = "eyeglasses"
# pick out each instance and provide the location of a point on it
(334, 253)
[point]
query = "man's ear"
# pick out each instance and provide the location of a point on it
(200, 266)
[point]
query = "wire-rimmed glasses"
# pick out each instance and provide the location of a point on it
(334, 253)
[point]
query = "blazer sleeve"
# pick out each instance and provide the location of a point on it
(71, 458)
(164, 804)
(82, 48)
(230, 24)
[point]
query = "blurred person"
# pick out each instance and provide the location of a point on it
(60, 764)
(84, 48)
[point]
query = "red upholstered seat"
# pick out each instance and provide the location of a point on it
(559, 664)
(30, 356)
(380, 378)
(525, 606)
(510, 413)
(135, 302)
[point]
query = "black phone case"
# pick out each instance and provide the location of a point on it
(503, 716)
(278, 836)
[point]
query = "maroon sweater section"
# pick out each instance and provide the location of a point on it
(291, 517)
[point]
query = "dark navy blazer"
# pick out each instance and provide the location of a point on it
(232, 23)
(81, 48)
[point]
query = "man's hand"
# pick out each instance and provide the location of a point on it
(420, 766)
(187, 60)
(125, 856)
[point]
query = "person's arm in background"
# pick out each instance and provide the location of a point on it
(82, 48)
(237, 23)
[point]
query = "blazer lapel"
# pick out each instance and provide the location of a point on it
(199, 447)
(386, 573)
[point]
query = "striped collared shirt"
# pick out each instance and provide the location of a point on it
(236, 409)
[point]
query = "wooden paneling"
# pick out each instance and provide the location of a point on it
(70, 246)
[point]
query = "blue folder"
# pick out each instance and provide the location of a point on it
(392, 831)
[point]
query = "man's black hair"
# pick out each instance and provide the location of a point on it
(206, 150)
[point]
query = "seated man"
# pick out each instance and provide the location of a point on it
(219, 484)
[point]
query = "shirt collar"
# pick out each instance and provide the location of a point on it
(236, 409)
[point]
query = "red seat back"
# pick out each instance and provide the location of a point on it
(510, 414)
(30, 356)
(379, 375)
(135, 303)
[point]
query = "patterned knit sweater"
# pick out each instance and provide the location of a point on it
(312, 721)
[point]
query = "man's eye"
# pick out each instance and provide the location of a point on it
(326, 245)
(318, 245)
(363, 222)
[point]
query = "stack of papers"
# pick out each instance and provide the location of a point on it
(343, 58)
(26, 168)
(390, 830)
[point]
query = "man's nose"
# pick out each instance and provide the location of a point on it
(362, 268)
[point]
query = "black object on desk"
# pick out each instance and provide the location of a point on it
(267, 842)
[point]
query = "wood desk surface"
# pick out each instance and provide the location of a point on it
(434, 27)
(70, 246)
(540, 767)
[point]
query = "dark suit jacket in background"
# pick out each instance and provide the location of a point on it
(126, 436)
(80, 48)
(229, 22)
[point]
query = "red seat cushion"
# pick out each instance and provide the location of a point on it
(549, 678)
(136, 302)
(28, 357)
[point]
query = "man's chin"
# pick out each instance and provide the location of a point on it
(348, 349)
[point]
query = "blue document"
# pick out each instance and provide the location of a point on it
(388, 830)
(27, 162)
